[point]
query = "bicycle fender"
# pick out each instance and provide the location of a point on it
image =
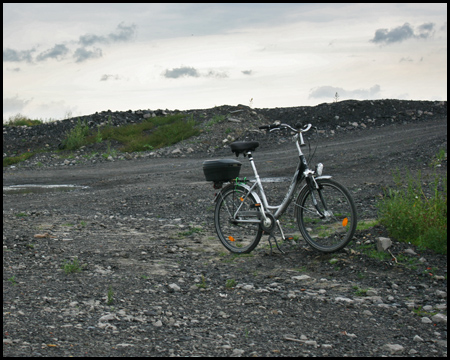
(245, 186)
(317, 178)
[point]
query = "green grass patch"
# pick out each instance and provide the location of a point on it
(202, 284)
(194, 230)
(216, 119)
(110, 296)
(359, 291)
(11, 160)
(416, 211)
(73, 266)
(421, 312)
(21, 120)
(150, 134)
(13, 281)
(373, 253)
(230, 283)
(366, 224)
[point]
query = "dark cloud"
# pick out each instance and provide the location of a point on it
(397, 34)
(181, 71)
(90, 39)
(123, 33)
(58, 51)
(329, 92)
(83, 54)
(17, 56)
(401, 33)
(186, 71)
(247, 72)
(425, 30)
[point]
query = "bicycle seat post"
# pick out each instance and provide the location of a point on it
(258, 182)
(250, 158)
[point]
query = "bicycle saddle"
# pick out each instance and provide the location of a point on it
(243, 146)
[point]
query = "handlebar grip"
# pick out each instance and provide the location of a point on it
(270, 127)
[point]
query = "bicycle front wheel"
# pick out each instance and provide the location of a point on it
(237, 220)
(329, 225)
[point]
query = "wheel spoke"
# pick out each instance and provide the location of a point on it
(237, 237)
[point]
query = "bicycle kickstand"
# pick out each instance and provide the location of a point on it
(276, 243)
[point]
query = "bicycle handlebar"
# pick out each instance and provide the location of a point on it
(286, 126)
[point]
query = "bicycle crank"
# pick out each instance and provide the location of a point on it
(268, 224)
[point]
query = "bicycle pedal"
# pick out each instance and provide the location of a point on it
(289, 237)
(254, 206)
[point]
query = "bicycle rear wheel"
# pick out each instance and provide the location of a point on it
(235, 204)
(332, 229)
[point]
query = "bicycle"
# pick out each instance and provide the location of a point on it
(324, 209)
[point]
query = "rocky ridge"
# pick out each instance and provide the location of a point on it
(236, 123)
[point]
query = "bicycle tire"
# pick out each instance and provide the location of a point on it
(334, 231)
(238, 238)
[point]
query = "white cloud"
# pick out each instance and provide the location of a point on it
(184, 71)
(57, 52)
(123, 33)
(83, 54)
(14, 104)
(11, 55)
(402, 33)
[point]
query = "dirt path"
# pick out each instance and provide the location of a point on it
(358, 151)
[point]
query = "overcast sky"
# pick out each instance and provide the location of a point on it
(76, 59)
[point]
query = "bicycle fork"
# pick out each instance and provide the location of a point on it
(313, 186)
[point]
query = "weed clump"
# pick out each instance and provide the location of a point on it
(76, 137)
(416, 211)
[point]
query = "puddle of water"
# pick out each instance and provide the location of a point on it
(273, 179)
(39, 189)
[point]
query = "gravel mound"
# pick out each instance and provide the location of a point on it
(220, 126)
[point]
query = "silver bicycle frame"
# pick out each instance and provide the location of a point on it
(280, 209)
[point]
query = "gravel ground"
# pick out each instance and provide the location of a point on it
(127, 263)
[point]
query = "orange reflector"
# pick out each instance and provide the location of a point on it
(242, 199)
(231, 238)
(345, 222)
